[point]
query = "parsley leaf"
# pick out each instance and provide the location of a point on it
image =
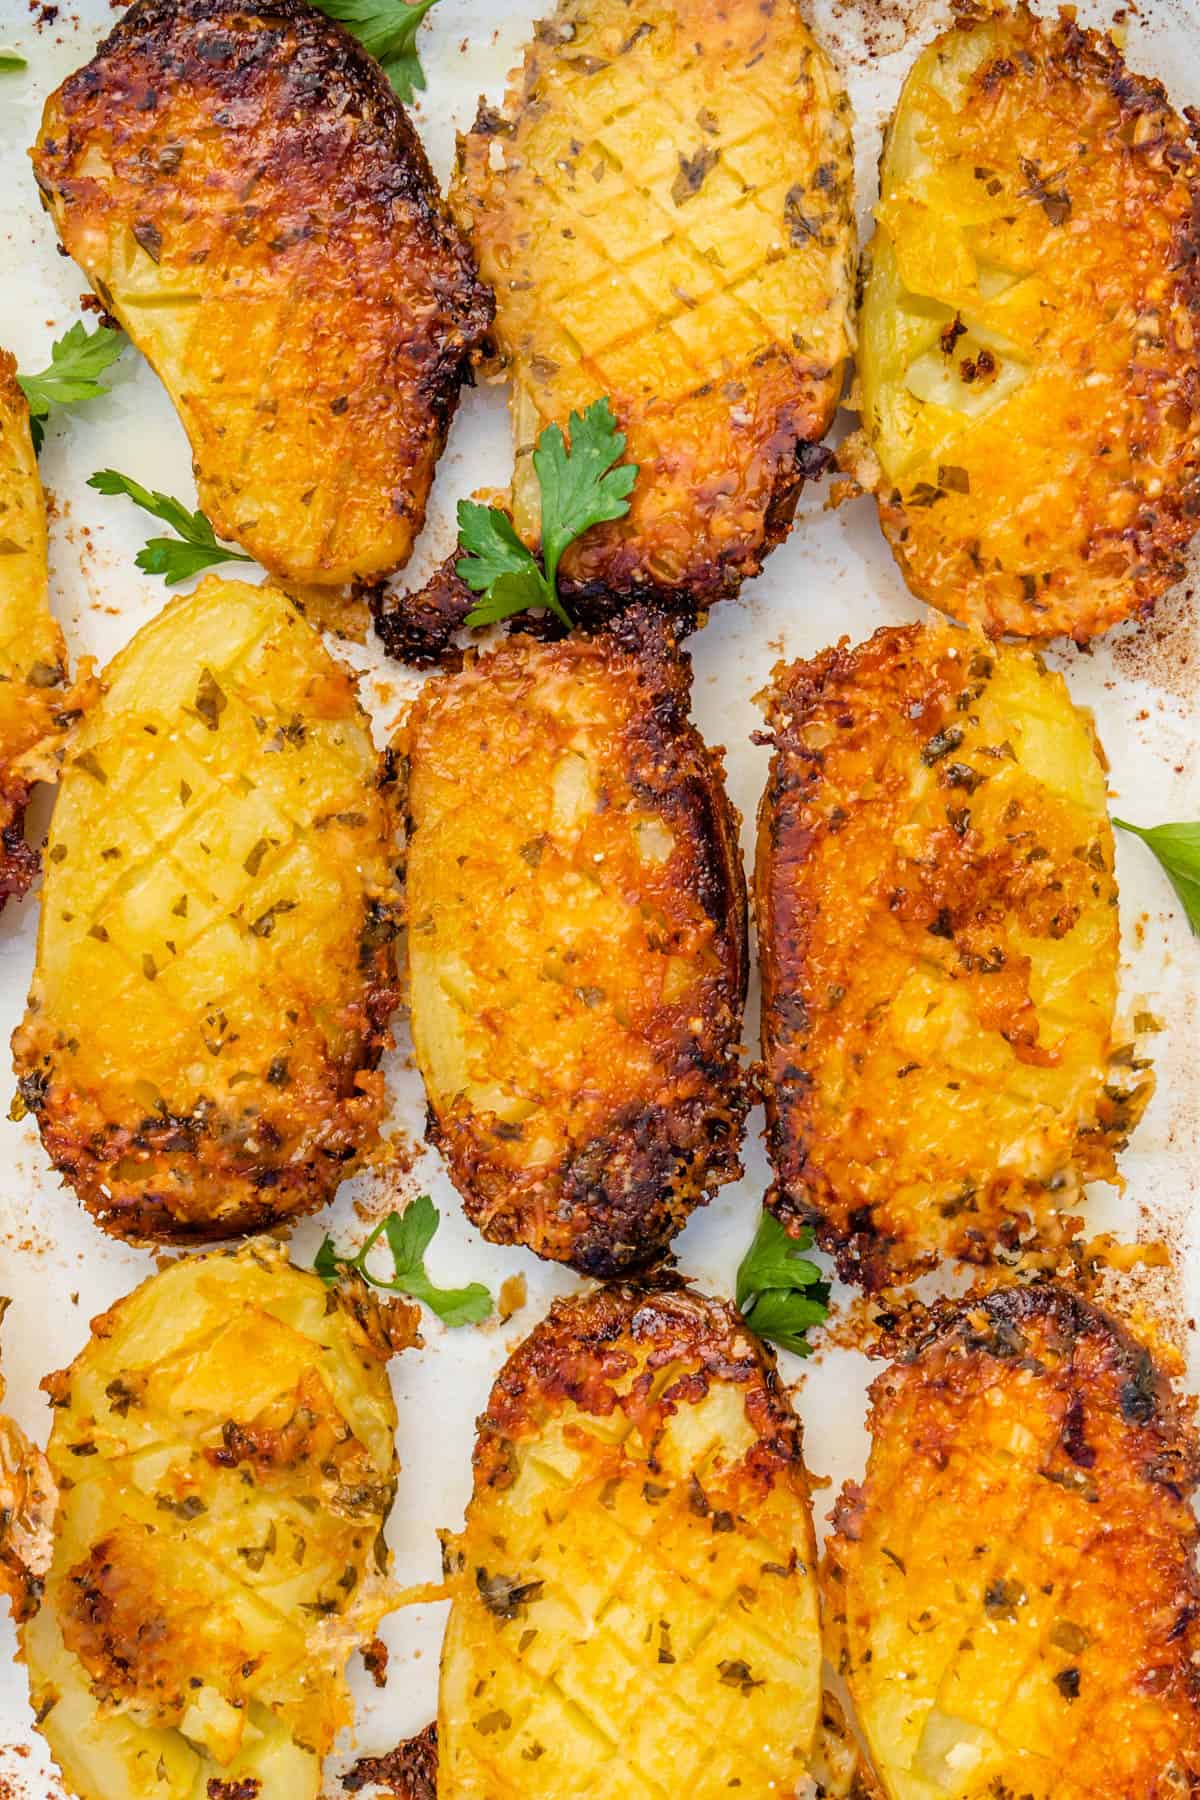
(175, 559)
(11, 60)
(387, 30)
(583, 485)
(409, 1234)
(1177, 848)
(77, 361)
(779, 1292)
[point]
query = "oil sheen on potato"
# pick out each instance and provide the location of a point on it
(634, 1603)
(225, 1448)
(215, 964)
(664, 207)
(33, 658)
(937, 915)
(1012, 1591)
(576, 944)
(1028, 363)
(246, 195)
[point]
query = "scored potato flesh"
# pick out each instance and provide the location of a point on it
(837, 1769)
(1029, 374)
(664, 208)
(215, 964)
(33, 657)
(937, 913)
(634, 1605)
(225, 1448)
(1013, 1587)
(249, 199)
(576, 943)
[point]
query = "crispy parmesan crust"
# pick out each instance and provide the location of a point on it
(664, 207)
(1013, 1587)
(581, 1355)
(228, 907)
(409, 1772)
(33, 656)
(225, 1446)
(252, 165)
(1030, 378)
(937, 918)
(636, 1559)
(577, 944)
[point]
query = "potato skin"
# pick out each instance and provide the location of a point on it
(1017, 1570)
(216, 961)
(1029, 374)
(638, 1549)
(577, 947)
(938, 933)
(256, 159)
(225, 1448)
(664, 207)
(33, 656)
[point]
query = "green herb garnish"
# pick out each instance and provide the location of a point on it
(779, 1292)
(387, 30)
(177, 558)
(77, 361)
(409, 1234)
(1177, 848)
(580, 488)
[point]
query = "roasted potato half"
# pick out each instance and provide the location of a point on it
(1030, 384)
(937, 915)
(224, 1445)
(215, 964)
(634, 1601)
(28, 1497)
(576, 943)
(33, 657)
(1014, 1583)
(246, 195)
(664, 208)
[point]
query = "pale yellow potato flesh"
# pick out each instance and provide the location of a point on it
(1027, 357)
(224, 1445)
(939, 933)
(634, 1605)
(576, 945)
(33, 658)
(664, 207)
(215, 963)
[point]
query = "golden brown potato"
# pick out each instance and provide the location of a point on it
(225, 1448)
(33, 657)
(1014, 1583)
(1030, 383)
(664, 207)
(577, 952)
(249, 199)
(28, 1497)
(634, 1599)
(215, 965)
(938, 928)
